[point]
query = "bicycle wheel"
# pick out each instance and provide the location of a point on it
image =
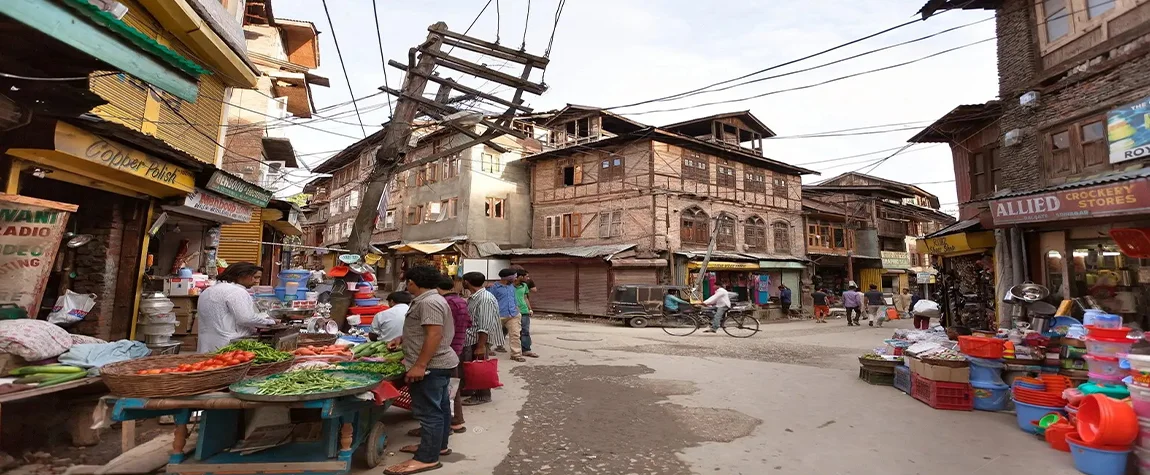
(680, 324)
(740, 326)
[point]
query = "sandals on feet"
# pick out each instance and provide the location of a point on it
(411, 449)
(429, 468)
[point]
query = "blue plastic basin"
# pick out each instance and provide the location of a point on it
(1028, 412)
(1092, 461)
(988, 371)
(990, 396)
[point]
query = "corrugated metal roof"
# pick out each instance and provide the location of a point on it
(606, 250)
(775, 257)
(717, 255)
(961, 226)
(1098, 180)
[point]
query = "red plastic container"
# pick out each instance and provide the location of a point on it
(940, 395)
(981, 347)
(1056, 436)
(1103, 421)
(1107, 333)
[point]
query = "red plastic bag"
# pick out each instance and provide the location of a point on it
(480, 375)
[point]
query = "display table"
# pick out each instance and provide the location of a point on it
(341, 426)
(80, 420)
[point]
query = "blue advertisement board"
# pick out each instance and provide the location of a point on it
(1128, 131)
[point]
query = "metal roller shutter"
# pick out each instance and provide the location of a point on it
(239, 242)
(594, 289)
(555, 288)
(635, 276)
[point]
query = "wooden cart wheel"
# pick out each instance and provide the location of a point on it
(374, 448)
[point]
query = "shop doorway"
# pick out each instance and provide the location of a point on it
(1099, 270)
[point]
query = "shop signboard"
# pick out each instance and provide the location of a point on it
(233, 187)
(213, 207)
(923, 277)
(895, 260)
(1111, 199)
(1128, 131)
(958, 243)
(30, 233)
(723, 265)
(117, 156)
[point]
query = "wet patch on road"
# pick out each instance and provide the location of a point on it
(609, 420)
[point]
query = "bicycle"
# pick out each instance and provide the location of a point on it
(736, 323)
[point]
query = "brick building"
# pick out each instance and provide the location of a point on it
(604, 180)
(1056, 169)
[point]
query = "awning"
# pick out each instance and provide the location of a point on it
(279, 149)
(424, 247)
(285, 227)
(101, 35)
(782, 265)
(638, 262)
(724, 265)
(958, 244)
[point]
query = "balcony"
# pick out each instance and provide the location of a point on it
(890, 228)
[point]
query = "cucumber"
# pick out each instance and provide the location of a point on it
(35, 378)
(63, 378)
(57, 369)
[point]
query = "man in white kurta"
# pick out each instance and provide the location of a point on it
(226, 310)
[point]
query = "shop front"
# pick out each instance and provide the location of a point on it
(113, 186)
(966, 273)
(895, 276)
(445, 255)
(1091, 241)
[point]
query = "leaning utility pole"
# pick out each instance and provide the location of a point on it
(396, 141)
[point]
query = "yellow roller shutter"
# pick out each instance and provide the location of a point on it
(240, 242)
(868, 277)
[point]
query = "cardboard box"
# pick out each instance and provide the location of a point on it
(939, 373)
(177, 287)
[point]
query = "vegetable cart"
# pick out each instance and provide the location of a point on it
(334, 429)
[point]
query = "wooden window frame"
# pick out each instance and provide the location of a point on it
(552, 226)
(985, 171)
(700, 226)
(1079, 24)
(779, 186)
(386, 215)
(572, 225)
(755, 181)
(690, 166)
(726, 238)
(495, 206)
(786, 248)
(1078, 152)
(610, 224)
(725, 176)
(755, 233)
(490, 163)
(612, 168)
(561, 173)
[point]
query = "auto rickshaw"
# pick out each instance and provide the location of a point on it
(637, 304)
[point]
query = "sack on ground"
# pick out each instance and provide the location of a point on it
(71, 308)
(480, 375)
(926, 308)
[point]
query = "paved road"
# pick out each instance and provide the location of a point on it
(606, 399)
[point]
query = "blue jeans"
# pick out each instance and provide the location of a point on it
(718, 318)
(431, 406)
(525, 332)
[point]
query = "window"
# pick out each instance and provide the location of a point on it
(779, 184)
(985, 173)
(693, 227)
(569, 225)
(695, 167)
(611, 169)
(451, 166)
(726, 176)
(494, 208)
(568, 173)
(1057, 19)
(389, 219)
(610, 224)
(755, 233)
(434, 212)
(726, 226)
(1095, 8)
(755, 181)
(414, 214)
(1076, 148)
(412, 179)
(452, 208)
(782, 233)
(353, 200)
(489, 163)
(432, 172)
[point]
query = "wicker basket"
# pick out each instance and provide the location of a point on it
(317, 339)
(123, 381)
(270, 368)
(946, 363)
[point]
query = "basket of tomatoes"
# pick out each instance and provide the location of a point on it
(176, 375)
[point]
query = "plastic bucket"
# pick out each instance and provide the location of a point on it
(1028, 412)
(1104, 366)
(990, 396)
(985, 370)
(1096, 461)
(1103, 421)
(1140, 396)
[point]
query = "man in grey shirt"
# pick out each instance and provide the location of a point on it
(427, 331)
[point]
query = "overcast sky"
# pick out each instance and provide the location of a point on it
(609, 53)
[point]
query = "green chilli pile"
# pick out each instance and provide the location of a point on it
(303, 382)
(385, 369)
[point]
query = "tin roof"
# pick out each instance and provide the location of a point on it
(1095, 180)
(959, 227)
(604, 250)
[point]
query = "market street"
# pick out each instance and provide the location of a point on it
(615, 400)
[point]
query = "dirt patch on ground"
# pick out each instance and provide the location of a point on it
(773, 351)
(609, 420)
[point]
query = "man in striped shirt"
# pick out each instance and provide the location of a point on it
(485, 330)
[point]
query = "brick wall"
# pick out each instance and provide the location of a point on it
(244, 141)
(1018, 63)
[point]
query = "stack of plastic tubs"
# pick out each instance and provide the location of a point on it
(990, 392)
(1106, 342)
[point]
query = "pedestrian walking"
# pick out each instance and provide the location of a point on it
(822, 305)
(875, 305)
(523, 287)
(504, 292)
(785, 299)
(721, 300)
(902, 303)
(485, 329)
(430, 362)
(853, 303)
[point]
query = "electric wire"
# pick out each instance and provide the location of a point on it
(382, 59)
(342, 66)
